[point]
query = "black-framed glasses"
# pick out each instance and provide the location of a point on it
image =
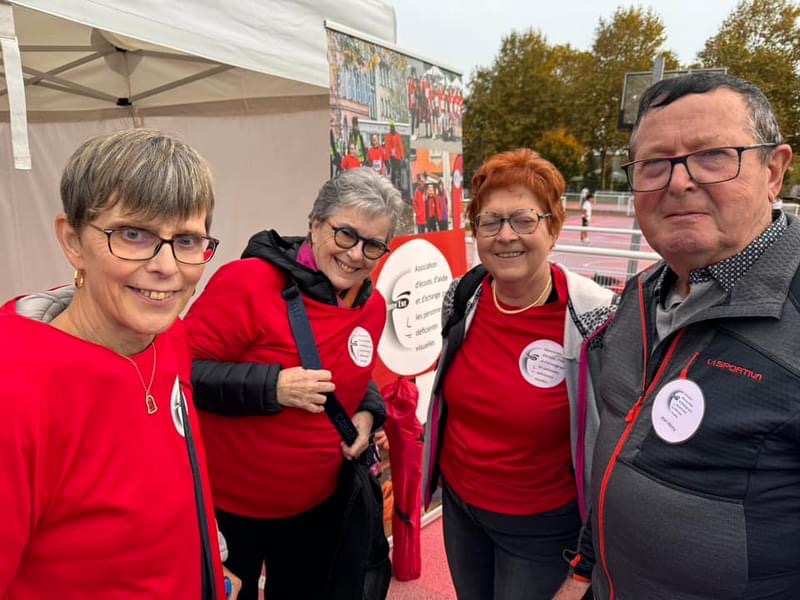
(523, 221)
(132, 243)
(711, 165)
(346, 237)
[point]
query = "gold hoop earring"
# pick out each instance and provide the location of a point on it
(78, 278)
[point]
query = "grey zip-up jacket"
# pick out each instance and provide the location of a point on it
(588, 306)
(696, 476)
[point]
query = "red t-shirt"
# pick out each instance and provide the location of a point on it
(506, 442)
(431, 206)
(376, 158)
(283, 464)
(97, 495)
(419, 207)
(350, 162)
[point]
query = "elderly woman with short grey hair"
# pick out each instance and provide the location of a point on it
(104, 488)
(274, 458)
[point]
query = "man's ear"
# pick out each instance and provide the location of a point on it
(778, 162)
(70, 241)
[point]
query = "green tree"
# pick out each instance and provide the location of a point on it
(562, 149)
(760, 41)
(533, 87)
(515, 100)
(629, 41)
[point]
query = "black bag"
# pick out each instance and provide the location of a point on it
(360, 568)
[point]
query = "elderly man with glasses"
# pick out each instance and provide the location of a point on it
(696, 472)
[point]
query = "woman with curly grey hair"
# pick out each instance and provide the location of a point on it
(274, 467)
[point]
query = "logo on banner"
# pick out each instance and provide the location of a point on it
(457, 179)
(414, 280)
(678, 411)
(360, 347)
(542, 363)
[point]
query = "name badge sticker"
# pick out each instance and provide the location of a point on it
(542, 363)
(678, 410)
(360, 347)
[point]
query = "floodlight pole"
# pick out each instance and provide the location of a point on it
(636, 238)
(658, 68)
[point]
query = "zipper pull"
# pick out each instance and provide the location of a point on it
(634, 410)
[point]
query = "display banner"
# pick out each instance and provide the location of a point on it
(402, 116)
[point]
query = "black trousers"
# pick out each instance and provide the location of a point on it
(397, 166)
(493, 556)
(297, 551)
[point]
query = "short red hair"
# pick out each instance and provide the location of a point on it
(520, 167)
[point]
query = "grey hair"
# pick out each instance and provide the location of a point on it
(147, 172)
(763, 123)
(362, 189)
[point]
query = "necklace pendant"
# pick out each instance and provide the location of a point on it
(152, 407)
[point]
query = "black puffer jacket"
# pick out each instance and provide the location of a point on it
(250, 389)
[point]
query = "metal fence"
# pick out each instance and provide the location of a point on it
(610, 264)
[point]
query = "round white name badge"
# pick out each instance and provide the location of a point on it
(678, 410)
(542, 363)
(360, 347)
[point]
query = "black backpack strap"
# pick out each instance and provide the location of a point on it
(465, 288)
(309, 358)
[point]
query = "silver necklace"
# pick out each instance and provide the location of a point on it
(149, 400)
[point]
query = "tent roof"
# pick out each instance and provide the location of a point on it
(83, 56)
(275, 37)
(78, 57)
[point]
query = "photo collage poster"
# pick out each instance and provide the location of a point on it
(401, 116)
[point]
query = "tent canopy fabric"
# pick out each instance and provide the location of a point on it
(79, 55)
(245, 82)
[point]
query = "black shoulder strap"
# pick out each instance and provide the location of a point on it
(207, 560)
(464, 290)
(309, 357)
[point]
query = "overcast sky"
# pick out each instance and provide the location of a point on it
(465, 33)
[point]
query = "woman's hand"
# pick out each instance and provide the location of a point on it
(236, 583)
(304, 388)
(362, 421)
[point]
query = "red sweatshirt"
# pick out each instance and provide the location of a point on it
(284, 464)
(97, 495)
(394, 146)
(377, 158)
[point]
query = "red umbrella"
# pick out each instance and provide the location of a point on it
(405, 454)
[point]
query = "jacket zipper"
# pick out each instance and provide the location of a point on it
(630, 422)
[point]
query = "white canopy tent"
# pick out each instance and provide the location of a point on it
(244, 81)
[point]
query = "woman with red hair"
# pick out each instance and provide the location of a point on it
(510, 430)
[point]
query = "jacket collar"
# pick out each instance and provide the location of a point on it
(282, 252)
(760, 292)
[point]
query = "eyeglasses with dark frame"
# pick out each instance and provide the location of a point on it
(523, 222)
(707, 166)
(133, 243)
(346, 237)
